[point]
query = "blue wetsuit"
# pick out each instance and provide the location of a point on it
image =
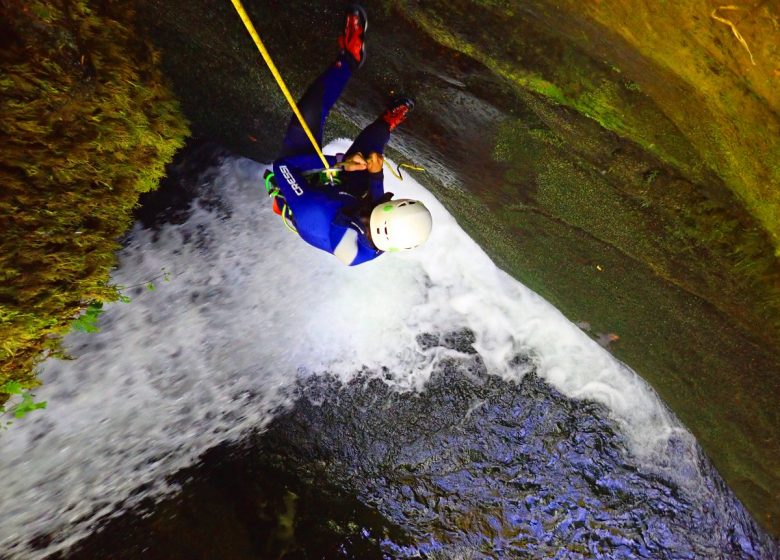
(327, 217)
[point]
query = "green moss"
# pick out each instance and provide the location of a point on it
(690, 111)
(566, 76)
(88, 125)
(726, 106)
(699, 239)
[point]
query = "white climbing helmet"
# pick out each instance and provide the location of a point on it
(400, 224)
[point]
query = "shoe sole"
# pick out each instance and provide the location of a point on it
(397, 98)
(362, 14)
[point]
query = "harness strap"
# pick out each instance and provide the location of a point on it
(273, 192)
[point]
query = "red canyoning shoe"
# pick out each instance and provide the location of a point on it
(352, 40)
(397, 111)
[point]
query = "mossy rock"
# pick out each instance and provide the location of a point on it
(88, 124)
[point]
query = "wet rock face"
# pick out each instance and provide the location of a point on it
(561, 149)
(473, 467)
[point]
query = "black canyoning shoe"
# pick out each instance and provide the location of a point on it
(397, 110)
(352, 39)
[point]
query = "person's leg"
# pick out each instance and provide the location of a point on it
(373, 138)
(315, 105)
(318, 100)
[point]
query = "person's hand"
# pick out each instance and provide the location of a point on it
(355, 162)
(374, 162)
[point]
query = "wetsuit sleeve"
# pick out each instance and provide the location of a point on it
(376, 185)
(348, 221)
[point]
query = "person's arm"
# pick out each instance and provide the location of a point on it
(347, 248)
(376, 185)
(374, 163)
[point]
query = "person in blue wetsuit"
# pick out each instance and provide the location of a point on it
(355, 220)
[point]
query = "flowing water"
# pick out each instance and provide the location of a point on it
(249, 311)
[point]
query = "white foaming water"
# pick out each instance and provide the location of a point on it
(249, 308)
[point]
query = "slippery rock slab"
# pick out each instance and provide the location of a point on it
(557, 143)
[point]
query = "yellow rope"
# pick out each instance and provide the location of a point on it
(267, 57)
(406, 165)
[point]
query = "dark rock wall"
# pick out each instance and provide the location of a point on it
(582, 157)
(473, 467)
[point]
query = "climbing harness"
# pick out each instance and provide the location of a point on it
(337, 179)
(325, 176)
(273, 191)
(280, 81)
